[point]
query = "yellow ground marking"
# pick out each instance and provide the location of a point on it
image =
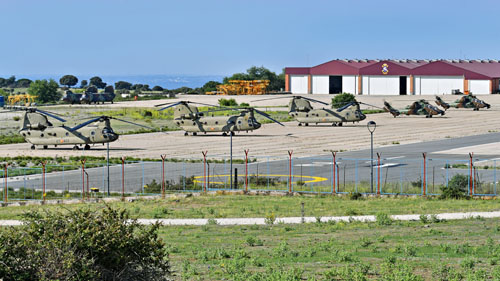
(312, 179)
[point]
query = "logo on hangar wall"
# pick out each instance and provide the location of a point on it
(385, 69)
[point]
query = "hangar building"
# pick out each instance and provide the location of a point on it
(395, 77)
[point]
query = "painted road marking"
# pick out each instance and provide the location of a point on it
(199, 179)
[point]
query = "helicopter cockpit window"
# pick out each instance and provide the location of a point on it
(216, 122)
(67, 134)
(92, 133)
(41, 135)
(24, 134)
(239, 122)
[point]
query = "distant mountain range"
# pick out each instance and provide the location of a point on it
(165, 81)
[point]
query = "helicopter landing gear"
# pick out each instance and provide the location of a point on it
(76, 147)
(306, 124)
(300, 124)
(194, 133)
(185, 133)
(86, 147)
(334, 124)
(232, 133)
(33, 147)
(339, 124)
(224, 134)
(45, 146)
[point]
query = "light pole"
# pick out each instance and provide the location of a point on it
(371, 128)
(231, 123)
(107, 164)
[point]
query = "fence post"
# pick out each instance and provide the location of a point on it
(83, 178)
(424, 181)
(5, 175)
(378, 173)
(246, 169)
(123, 178)
(290, 152)
(163, 156)
(204, 170)
(471, 154)
(334, 168)
(43, 180)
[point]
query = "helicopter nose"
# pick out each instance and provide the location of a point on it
(361, 116)
(257, 125)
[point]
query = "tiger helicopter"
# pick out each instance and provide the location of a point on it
(193, 121)
(468, 101)
(420, 107)
(39, 131)
(301, 110)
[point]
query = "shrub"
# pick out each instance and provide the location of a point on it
(456, 189)
(228, 102)
(355, 196)
(82, 245)
(383, 219)
(342, 99)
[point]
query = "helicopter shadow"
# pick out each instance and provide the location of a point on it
(91, 149)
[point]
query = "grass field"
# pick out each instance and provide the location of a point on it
(451, 250)
(230, 206)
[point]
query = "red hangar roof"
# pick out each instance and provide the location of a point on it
(470, 69)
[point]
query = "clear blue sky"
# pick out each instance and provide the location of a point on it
(201, 37)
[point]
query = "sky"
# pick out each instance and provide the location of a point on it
(201, 37)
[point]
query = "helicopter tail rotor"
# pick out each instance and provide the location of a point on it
(390, 109)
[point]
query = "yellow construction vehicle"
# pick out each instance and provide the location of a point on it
(242, 87)
(21, 99)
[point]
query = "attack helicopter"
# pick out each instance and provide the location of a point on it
(193, 121)
(300, 108)
(38, 130)
(468, 101)
(420, 107)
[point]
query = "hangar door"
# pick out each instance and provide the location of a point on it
(381, 85)
(480, 87)
(437, 85)
(320, 84)
(298, 84)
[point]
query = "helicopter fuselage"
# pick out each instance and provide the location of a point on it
(325, 115)
(207, 124)
(62, 135)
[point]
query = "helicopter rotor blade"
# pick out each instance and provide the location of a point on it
(81, 125)
(267, 116)
(370, 105)
(345, 106)
(51, 114)
(313, 100)
(275, 98)
(130, 122)
(168, 106)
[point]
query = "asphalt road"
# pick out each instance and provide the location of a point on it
(400, 165)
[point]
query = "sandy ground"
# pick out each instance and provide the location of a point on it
(274, 141)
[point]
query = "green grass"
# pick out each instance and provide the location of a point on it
(227, 206)
(336, 251)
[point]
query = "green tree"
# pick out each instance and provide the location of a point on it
(97, 81)
(23, 83)
(210, 86)
(91, 89)
(84, 84)
(10, 82)
(276, 83)
(123, 85)
(68, 80)
(46, 91)
(157, 88)
(342, 99)
(82, 245)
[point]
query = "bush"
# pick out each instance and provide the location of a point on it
(383, 219)
(342, 99)
(82, 245)
(228, 102)
(456, 189)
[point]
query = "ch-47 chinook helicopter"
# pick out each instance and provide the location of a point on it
(300, 108)
(193, 121)
(420, 107)
(38, 130)
(468, 101)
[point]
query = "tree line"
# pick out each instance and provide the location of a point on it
(47, 90)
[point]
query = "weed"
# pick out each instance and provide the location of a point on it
(424, 219)
(468, 263)
(212, 221)
(270, 219)
(383, 219)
